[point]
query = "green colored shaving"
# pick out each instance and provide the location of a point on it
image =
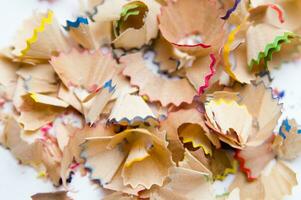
(275, 46)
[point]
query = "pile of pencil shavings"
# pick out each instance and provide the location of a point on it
(154, 99)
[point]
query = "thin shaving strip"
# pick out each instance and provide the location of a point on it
(278, 10)
(205, 46)
(227, 49)
(208, 76)
(76, 23)
(231, 10)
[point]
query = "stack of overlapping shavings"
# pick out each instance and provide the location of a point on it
(154, 99)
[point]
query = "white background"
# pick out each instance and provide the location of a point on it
(20, 182)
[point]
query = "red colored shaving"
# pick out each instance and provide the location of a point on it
(74, 166)
(242, 166)
(193, 45)
(208, 76)
(278, 10)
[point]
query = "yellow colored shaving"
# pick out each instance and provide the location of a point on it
(227, 49)
(41, 28)
(34, 97)
(206, 150)
(42, 174)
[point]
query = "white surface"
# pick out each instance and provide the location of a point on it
(20, 182)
